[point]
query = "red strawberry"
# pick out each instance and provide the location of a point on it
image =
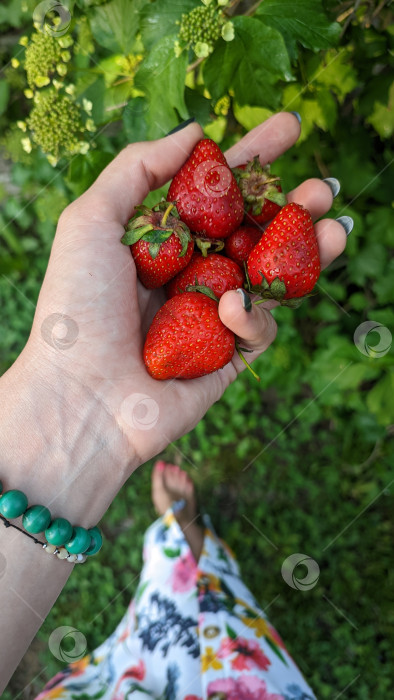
(240, 243)
(216, 272)
(285, 263)
(261, 191)
(206, 193)
(161, 244)
(187, 339)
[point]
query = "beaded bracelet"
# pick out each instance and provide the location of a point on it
(65, 541)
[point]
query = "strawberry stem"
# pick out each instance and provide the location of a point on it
(166, 214)
(246, 363)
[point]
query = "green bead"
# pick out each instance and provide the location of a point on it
(36, 519)
(59, 531)
(13, 504)
(79, 541)
(95, 542)
(1, 487)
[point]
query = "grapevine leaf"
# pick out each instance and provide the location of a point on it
(300, 20)
(162, 77)
(251, 64)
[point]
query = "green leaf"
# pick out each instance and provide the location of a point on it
(162, 77)
(172, 553)
(250, 117)
(134, 119)
(300, 20)
(382, 117)
(318, 111)
(159, 18)
(4, 95)
(251, 64)
(380, 399)
(198, 105)
(84, 169)
(115, 24)
(230, 632)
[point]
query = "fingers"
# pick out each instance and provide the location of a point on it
(315, 195)
(256, 329)
(268, 140)
(139, 168)
(331, 239)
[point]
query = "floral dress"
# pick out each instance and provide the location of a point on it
(192, 632)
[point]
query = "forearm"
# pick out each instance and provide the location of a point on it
(48, 451)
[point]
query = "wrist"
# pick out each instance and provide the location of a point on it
(58, 443)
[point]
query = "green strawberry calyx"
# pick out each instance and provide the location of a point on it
(156, 226)
(275, 290)
(257, 185)
(208, 245)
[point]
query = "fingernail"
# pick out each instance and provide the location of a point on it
(297, 116)
(160, 465)
(246, 302)
(181, 126)
(333, 184)
(347, 223)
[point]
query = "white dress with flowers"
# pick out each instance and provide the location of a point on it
(192, 632)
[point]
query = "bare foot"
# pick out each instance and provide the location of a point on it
(172, 484)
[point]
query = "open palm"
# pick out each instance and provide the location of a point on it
(92, 297)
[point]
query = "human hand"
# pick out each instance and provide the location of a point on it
(101, 413)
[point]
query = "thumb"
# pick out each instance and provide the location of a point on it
(126, 181)
(256, 329)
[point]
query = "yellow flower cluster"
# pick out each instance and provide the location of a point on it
(56, 126)
(203, 26)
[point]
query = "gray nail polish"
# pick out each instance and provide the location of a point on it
(181, 126)
(246, 301)
(333, 184)
(347, 223)
(297, 116)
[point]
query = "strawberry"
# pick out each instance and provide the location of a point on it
(261, 191)
(240, 243)
(216, 272)
(285, 263)
(161, 244)
(187, 339)
(207, 196)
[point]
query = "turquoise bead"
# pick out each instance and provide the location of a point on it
(59, 531)
(79, 541)
(13, 504)
(95, 542)
(1, 487)
(36, 519)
